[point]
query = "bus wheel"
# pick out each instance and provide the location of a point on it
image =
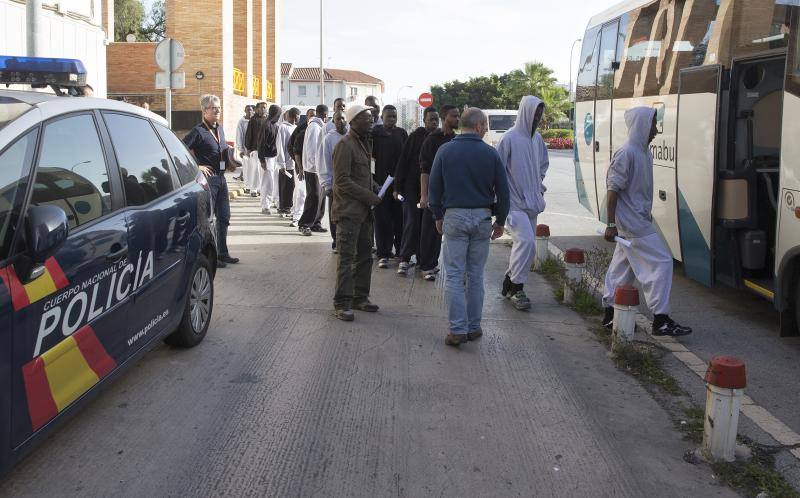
(199, 304)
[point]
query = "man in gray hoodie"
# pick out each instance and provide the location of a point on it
(524, 155)
(630, 206)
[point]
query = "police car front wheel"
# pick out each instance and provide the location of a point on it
(199, 305)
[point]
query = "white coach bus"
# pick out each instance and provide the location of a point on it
(724, 77)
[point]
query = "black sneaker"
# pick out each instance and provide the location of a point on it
(608, 317)
(228, 259)
(319, 229)
(507, 287)
(668, 327)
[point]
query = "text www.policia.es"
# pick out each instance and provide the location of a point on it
(147, 328)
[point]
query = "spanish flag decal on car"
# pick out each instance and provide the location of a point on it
(52, 280)
(61, 375)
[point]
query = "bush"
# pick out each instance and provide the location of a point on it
(556, 133)
(558, 143)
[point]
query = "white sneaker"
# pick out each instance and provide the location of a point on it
(402, 268)
(266, 211)
(293, 224)
(429, 275)
(383, 263)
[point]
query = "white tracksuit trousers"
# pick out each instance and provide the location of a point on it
(267, 181)
(299, 201)
(251, 178)
(276, 186)
(521, 225)
(649, 261)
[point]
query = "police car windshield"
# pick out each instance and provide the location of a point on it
(11, 109)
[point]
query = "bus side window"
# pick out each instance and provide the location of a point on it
(586, 89)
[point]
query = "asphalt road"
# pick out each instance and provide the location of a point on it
(283, 400)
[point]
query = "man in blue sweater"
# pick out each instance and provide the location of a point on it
(468, 184)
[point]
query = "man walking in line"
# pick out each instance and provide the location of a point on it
(406, 186)
(252, 141)
(430, 240)
(354, 194)
(387, 144)
(467, 183)
(375, 109)
(286, 162)
(310, 221)
(241, 131)
(338, 106)
(525, 155)
(207, 143)
(630, 215)
(325, 162)
(296, 149)
(267, 155)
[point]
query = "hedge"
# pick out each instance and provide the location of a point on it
(556, 133)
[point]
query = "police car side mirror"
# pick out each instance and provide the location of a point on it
(47, 230)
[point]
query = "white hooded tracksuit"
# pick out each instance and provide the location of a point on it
(241, 130)
(648, 260)
(526, 161)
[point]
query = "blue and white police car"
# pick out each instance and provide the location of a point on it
(106, 245)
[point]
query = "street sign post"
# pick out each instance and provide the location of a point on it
(169, 57)
(425, 100)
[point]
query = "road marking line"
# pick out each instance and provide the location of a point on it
(760, 416)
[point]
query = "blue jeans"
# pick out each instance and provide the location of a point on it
(222, 210)
(466, 247)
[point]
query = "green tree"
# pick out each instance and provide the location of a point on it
(155, 25)
(128, 19)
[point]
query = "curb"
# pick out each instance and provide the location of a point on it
(760, 416)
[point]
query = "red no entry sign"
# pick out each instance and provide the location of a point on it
(425, 100)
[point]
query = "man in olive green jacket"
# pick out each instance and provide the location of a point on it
(354, 195)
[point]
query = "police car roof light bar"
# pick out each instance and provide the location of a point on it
(40, 72)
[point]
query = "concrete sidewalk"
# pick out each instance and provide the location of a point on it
(284, 400)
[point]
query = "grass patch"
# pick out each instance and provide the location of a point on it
(753, 477)
(552, 269)
(603, 334)
(558, 293)
(693, 425)
(585, 303)
(640, 360)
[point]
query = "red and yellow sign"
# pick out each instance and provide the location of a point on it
(23, 295)
(63, 374)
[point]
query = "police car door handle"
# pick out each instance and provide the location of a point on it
(118, 254)
(184, 217)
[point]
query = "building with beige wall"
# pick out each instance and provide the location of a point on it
(230, 46)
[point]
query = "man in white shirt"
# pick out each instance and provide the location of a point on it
(285, 162)
(310, 221)
(241, 130)
(325, 161)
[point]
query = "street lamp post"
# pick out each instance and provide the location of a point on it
(321, 68)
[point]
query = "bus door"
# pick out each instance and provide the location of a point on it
(749, 184)
(698, 118)
(604, 109)
(585, 92)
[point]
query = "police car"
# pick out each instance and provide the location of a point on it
(106, 245)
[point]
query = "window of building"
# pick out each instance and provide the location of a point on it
(353, 91)
(72, 172)
(15, 165)
(143, 162)
(184, 163)
(301, 90)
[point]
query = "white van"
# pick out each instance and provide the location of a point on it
(500, 121)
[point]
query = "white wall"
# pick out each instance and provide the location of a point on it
(62, 37)
(333, 90)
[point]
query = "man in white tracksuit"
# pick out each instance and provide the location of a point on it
(286, 161)
(630, 205)
(524, 154)
(241, 131)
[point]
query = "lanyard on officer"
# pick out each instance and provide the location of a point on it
(219, 148)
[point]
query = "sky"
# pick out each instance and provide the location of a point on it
(420, 43)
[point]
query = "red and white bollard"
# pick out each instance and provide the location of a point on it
(542, 242)
(575, 260)
(626, 302)
(725, 383)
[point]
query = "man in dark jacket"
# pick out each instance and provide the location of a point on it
(387, 144)
(252, 140)
(354, 194)
(430, 241)
(406, 188)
